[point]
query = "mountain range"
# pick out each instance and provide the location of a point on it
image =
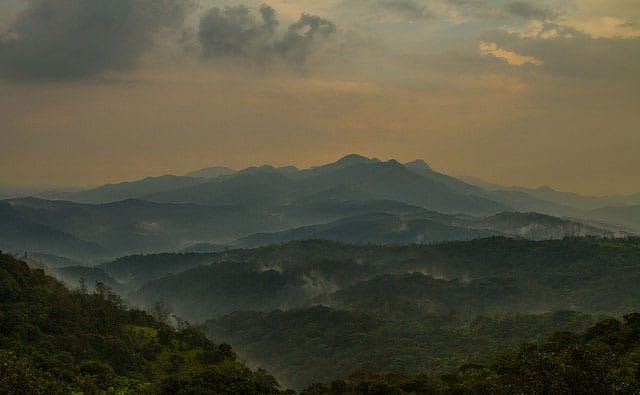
(355, 199)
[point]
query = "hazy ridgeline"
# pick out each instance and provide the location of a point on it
(354, 200)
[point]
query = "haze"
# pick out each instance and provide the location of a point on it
(514, 92)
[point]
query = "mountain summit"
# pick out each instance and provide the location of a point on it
(419, 164)
(354, 159)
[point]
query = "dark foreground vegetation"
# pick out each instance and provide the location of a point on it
(302, 346)
(55, 341)
(385, 328)
(602, 360)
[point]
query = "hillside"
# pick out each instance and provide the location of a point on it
(552, 195)
(599, 360)
(211, 172)
(94, 232)
(575, 273)
(379, 228)
(536, 226)
(429, 227)
(126, 190)
(127, 227)
(135, 270)
(56, 341)
(19, 233)
(315, 344)
(419, 309)
(415, 308)
(626, 215)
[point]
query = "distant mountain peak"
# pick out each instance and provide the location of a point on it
(393, 162)
(546, 188)
(211, 172)
(262, 169)
(353, 159)
(419, 164)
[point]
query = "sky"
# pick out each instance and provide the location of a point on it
(515, 92)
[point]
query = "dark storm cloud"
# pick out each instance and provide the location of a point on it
(73, 39)
(529, 11)
(235, 31)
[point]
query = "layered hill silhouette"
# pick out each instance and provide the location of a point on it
(482, 276)
(355, 199)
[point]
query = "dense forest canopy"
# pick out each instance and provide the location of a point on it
(312, 311)
(604, 359)
(57, 341)
(483, 276)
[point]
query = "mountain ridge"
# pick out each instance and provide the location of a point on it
(172, 213)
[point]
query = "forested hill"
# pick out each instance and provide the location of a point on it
(487, 276)
(56, 341)
(601, 360)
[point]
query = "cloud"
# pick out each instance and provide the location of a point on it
(409, 9)
(75, 39)
(568, 52)
(235, 31)
(529, 11)
(630, 24)
(510, 57)
(394, 10)
(499, 10)
(302, 36)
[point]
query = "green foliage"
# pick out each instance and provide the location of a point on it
(18, 376)
(54, 341)
(417, 308)
(602, 360)
(487, 276)
(322, 344)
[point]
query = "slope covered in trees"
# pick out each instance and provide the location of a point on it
(56, 341)
(301, 346)
(604, 359)
(486, 276)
